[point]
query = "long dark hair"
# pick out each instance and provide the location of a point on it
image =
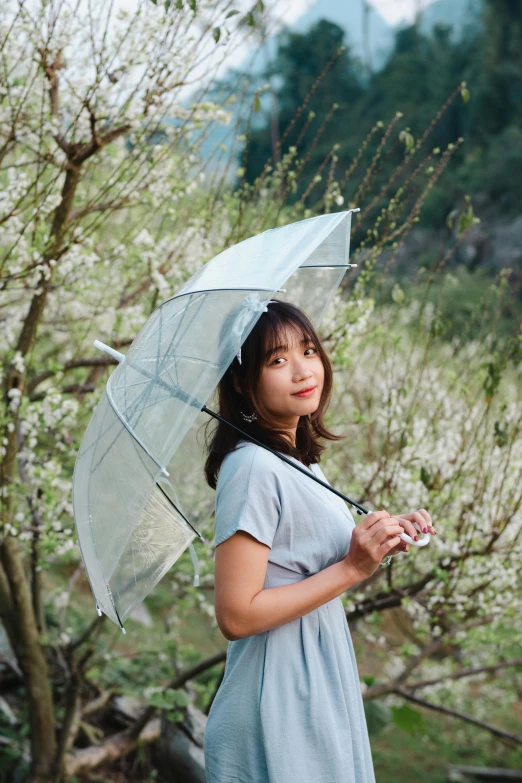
(266, 334)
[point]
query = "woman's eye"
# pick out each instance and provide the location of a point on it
(280, 357)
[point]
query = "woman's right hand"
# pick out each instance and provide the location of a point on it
(372, 539)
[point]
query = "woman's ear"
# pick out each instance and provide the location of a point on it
(236, 385)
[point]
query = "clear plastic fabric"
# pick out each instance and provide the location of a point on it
(138, 486)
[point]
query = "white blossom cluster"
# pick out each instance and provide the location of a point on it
(421, 434)
(134, 230)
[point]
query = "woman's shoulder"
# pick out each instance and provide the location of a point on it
(250, 460)
(248, 453)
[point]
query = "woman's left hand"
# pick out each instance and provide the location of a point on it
(406, 521)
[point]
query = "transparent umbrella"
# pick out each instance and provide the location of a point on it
(139, 493)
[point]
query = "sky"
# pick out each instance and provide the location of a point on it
(393, 11)
(283, 12)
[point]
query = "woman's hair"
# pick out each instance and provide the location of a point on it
(267, 333)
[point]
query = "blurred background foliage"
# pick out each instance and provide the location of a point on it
(424, 336)
(420, 74)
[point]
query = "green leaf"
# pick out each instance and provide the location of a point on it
(407, 138)
(408, 719)
(464, 92)
(179, 5)
(154, 1)
(249, 19)
(216, 32)
(450, 220)
(192, 5)
(181, 697)
(257, 103)
(501, 435)
(377, 715)
(398, 294)
(466, 219)
(426, 477)
(231, 13)
(169, 698)
(174, 717)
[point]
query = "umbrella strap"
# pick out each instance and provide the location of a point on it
(195, 563)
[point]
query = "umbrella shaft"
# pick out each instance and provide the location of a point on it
(360, 509)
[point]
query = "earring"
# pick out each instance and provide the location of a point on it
(250, 418)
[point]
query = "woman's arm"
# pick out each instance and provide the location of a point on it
(244, 608)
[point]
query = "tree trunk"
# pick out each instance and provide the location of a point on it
(31, 658)
(16, 600)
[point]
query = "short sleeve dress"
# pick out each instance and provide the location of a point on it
(289, 708)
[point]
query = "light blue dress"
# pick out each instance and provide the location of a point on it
(289, 708)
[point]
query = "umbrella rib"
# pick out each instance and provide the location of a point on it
(153, 378)
(131, 431)
(179, 511)
(110, 446)
(261, 289)
(178, 327)
(95, 468)
(95, 442)
(157, 379)
(202, 298)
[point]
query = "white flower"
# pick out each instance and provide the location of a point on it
(18, 362)
(15, 396)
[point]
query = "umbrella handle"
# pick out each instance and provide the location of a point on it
(409, 540)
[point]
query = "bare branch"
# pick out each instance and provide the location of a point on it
(86, 151)
(111, 749)
(461, 715)
(468, 672)
(103, 207)
(73, 388)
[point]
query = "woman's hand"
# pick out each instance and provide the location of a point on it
(406, 521)
(372, 539)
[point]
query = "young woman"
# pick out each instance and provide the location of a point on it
(289, 708)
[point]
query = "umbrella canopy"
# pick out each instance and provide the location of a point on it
(138, 486)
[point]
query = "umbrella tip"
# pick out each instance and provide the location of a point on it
(107, 349)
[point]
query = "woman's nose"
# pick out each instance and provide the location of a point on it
(301, 371)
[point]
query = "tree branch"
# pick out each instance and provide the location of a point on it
(85, 151)
(102, 361)
(73, 388)
(461, 715)
(111, 749)
(468, 672)
(103, 207)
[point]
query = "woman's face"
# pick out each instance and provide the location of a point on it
(292, 368)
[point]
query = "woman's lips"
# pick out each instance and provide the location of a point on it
(306, 393)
